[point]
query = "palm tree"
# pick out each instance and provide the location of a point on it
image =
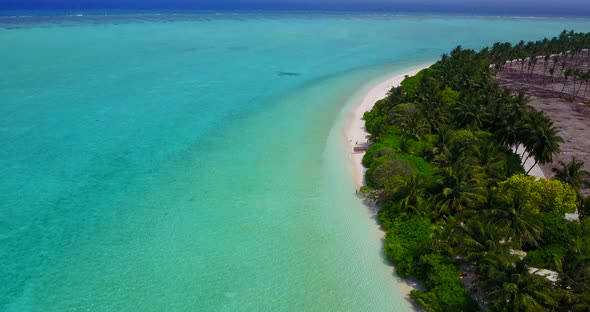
(457, 191)
(515, 221)
(555, 64)
(574, 276)
(416, 126)
(436, 114)
(490, 159)
(572, 173)
(508, 133)
(443, 139)
(582, 78)
(446, 236)
(568, 72)
(575, 74)
(410, 193)
(521, 102)
(511, 128)
(532, 64)
(404, 143)
(584, 210)
(409, 120)
(546, 60)
(543, 139)
(586, 80)
(511, 287)
(470, 115)
(480, 240)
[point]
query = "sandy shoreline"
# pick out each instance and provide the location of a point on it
(354, 130)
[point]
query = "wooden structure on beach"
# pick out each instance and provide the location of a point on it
(361, 147)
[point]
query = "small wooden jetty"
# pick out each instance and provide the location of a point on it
(361, 147)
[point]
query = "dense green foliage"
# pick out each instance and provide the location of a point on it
(454, 196)
(406, 242)
(540, 195)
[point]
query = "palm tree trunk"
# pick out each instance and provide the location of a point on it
(524, 160)
(562, 68)
(574, 92)
(579, 89)
(536, 161)
(544, 71)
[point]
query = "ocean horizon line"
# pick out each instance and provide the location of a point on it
(33, 13)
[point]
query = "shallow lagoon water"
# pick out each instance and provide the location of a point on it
(169, 163)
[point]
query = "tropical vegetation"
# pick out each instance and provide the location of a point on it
(461, 214)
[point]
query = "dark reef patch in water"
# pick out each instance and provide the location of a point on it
(289, 74)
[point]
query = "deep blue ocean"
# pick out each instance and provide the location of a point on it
(166, 162)
(547, 8)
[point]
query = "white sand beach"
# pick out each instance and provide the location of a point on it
(355, 127)
(354, 131)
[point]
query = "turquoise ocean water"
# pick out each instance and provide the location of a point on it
(163, 163)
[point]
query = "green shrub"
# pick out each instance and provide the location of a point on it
(446, 292)
(373, 153)
(557, 230)
(421, 166)
(406, 241)
(546, 257)
(449, 96)
(411, 85)
(512, 164)
(388, 215)
(464, 137)
(387, 172)
(417, 148)
(541, 195)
